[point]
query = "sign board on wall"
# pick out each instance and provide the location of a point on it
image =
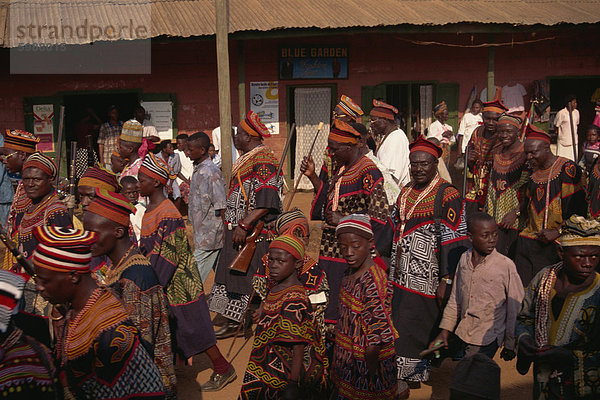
(313, 62)
(43, 126)
(160, 114)
(264, 100)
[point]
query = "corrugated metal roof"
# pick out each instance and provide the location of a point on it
(187, 18)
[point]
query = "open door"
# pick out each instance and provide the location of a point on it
(42, 115)
(368, 93)
(449, 93)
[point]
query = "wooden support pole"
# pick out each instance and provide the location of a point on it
(241, 80)
(490, 71)
(222, 24)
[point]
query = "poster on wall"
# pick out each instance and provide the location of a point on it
(313, 62)
(43, 126)
(264, 100)
(160, 114)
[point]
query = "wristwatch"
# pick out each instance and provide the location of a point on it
(448, 281)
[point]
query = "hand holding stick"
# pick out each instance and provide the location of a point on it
(300, 177)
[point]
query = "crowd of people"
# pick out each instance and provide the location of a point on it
(103, 303)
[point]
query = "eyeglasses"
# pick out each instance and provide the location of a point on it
(7, 156)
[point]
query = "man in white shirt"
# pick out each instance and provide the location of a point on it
(216, 140)
(469, 123)
(562, 123)
(392, 147)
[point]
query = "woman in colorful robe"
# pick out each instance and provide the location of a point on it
(506, 187)
(356, 187)
(424, 256)
(558, 325)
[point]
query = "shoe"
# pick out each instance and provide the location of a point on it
(403, 390)
(218, 381)
(228, 330)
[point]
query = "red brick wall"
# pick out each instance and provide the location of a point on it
(189, 70)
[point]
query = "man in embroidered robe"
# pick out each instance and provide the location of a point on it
(253, 197)
(100, 351)
(132, 278)
(557, 327)
(555, 191)
(429, 237)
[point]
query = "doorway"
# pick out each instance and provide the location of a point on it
(307, 106)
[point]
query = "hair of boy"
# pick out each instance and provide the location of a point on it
(569, 98)
(128, 180)
(594, 128)
(202, 139)
(478, 217)
(477, 101)
(211, 145)
(182, 136)
(163, 144)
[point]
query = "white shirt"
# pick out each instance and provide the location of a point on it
(393, 154)
(563, 123)
(512, 97)
(187, 166)
(216, 140)
(469, 123)
(149, 130)
(436, 129)
(136, 220)
(392, 190)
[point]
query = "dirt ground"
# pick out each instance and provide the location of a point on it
(514, 386)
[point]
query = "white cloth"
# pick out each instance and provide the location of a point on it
(436, 129)
(469, 123)
(217, 160)
(563, 123)
(393, 154)
(149, 130)
(136, 220)
(187, 166)
(512, 97)
(392, 190)
(216, 140)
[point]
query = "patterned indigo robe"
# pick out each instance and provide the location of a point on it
(361, 192)
(164, 242)
(415, 271)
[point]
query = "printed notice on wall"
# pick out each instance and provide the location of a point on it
(43, 126)
(264, 100)
(160, 114)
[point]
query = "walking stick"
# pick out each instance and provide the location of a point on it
(465, 171)
(300, 177)
(237, 331)
(72, 177)
(287, 147)
(570, 108)
(61, 125)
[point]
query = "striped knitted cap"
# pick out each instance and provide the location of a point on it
(111, 205)
(290, 221)
(253, 125)
(156, 169)
(21, 140)
(534, 133)
(383, 110)
(494, 106)
(99, 177)
(342, 132)
(511, 120)
(289, 243)
(41, 161)
(63, 249)
(359, 224)
(132, 131)
(348, 107)
(11, 290)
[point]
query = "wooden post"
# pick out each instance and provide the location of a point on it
(490, 70)
(222, 31)
(241, 80)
